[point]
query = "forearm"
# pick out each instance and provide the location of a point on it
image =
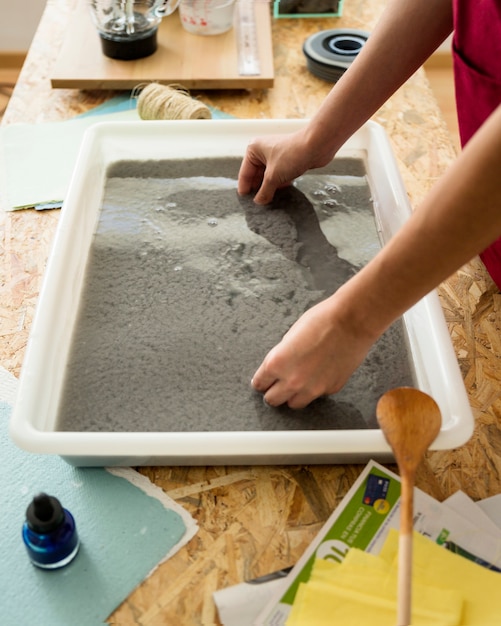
(459, 218)
(405, 36)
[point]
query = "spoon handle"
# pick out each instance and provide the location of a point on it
(404, 580)
(404, 590)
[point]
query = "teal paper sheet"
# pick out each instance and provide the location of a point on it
(37, 160)
(124, 532)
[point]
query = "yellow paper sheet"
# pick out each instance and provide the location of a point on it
(448, 590)
(479, 586)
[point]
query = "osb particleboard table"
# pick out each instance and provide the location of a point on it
(254, 520)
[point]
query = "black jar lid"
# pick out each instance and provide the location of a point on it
(44, 514)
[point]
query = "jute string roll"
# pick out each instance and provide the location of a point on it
(170, 102)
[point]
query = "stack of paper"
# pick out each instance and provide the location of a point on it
(448, 590)
(351, 565)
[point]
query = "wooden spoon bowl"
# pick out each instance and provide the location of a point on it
(410, 420)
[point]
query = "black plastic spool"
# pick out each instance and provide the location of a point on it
(330, 53)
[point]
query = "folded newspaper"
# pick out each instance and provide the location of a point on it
(362, 520)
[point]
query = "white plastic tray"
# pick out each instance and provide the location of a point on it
(33, 419)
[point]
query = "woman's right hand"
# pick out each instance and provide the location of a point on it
(315, 357)
(273, 162)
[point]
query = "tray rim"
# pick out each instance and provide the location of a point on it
(82, 448)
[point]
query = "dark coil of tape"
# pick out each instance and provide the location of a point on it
(330, 53)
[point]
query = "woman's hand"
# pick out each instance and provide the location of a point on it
(316, 357)
(271, 163)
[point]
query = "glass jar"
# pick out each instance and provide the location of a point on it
(128, 28)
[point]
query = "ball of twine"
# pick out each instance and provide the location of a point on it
(170, 102)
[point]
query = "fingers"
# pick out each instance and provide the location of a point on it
(252, 169)
(254, 176)
(277, 391)
(265, 193)
(263, 379)
(250, 175)
(274, 394)
(277, 394)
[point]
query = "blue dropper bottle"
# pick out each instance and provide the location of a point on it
(49, 533)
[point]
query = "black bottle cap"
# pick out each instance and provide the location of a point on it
(44, 514)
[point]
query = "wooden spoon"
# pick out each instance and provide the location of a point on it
(410, 421)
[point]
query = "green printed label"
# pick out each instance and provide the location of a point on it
(356, 525)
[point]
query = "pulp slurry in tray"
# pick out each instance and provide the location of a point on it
(188, 286)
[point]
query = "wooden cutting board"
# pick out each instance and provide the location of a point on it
(195, 61)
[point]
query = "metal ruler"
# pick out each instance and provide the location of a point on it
(248, 52)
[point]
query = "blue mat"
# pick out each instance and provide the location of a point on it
(124, 534)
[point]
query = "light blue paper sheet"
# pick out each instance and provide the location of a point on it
(124, 534)
(37, 160)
